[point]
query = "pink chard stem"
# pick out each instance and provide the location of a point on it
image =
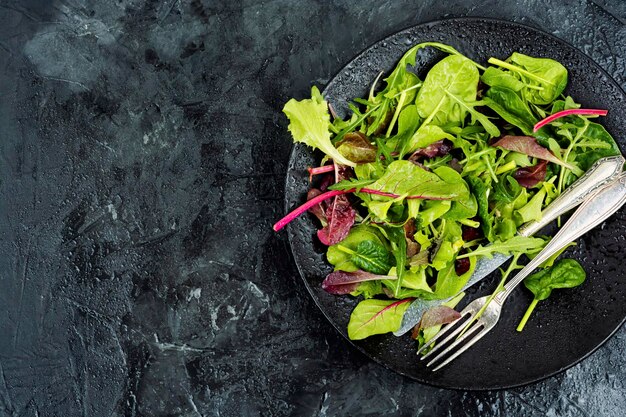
(569, 112)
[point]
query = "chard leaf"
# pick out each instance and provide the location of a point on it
(516, 244)
(438, 316)
(405, 178)
(341, 282)
(351, 183)
(309, 123)
(529, 146)
(374, 316)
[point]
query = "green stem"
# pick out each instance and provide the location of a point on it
(396, 113)
(531, 307)
(517, 69)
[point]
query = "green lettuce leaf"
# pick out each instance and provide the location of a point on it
(309, 123)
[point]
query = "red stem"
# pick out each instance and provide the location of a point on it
(563, 113)
(303, 208)
(330, 194)
(321, 170)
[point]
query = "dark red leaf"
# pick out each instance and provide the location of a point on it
(528, 177)
(439, 315)
(470, 233)
(339, 214)
(439, 148)
(340, 282)
(529, 146)
(319, 209)
(461, 266)
(436, 316)
(412, 247)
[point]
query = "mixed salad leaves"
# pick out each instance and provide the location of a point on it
(426, 176)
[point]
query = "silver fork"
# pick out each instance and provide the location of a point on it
(591, 213)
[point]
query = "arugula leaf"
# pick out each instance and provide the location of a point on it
(515, 244)
(309, 123)
(544, 78)
(566, 273)
(374, 316)
(532, 209)
(595, 143)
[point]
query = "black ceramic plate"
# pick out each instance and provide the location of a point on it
(565, 328)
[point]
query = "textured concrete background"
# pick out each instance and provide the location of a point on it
(142, 157)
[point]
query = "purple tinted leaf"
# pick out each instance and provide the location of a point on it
(318, 209)
(439, 148)
(356, 147)
(528, 177)
(340, 282)
(436, 316)
(339, 213)
(529, 146)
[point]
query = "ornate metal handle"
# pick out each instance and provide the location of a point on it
(601, 173)
(591, 213)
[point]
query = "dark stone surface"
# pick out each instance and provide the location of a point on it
(142, 157)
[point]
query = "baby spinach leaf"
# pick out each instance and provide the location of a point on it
(309, 123)
(495, 77)
(374, 316)
(566, 273)
(424, 137)
(455, 75)
(508, 104)
(480, 191)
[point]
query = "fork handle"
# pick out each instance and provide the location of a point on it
(602, 172)
(591, 213)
